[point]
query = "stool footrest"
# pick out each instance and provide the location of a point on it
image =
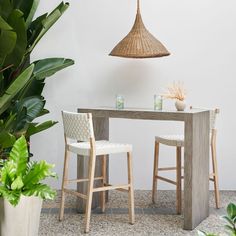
(168, 168)
(166, 180)
(118, 189)
(75, 193)
(82, 180)
(112, 187)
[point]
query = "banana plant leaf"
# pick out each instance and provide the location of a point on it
(6, 139)
(35, 128)
(43, 68)
(5, 8)
(43, 112)
(33, 9)
(33, 88)
(15, 87)
(25, 110)
(4, 25)
(35, 28)
(8, 123)
(47, 23)
(28, 7)
(33, 105)
(7, 40)
(17, 22)
(20, 125)
(49, 66)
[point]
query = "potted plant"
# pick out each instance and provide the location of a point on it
(21, 191)
(22, 81)
(230, 218)
(177, 92)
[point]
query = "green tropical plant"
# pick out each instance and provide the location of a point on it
(202, 233)
(19, 177)
(230, 219)
(22, 82)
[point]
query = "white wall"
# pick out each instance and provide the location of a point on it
(202, 39)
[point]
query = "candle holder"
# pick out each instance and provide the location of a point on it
(120, 102)
(158, 102)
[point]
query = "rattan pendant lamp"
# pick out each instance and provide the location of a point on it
(139, 43)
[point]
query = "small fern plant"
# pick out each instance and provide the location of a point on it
(19, 176)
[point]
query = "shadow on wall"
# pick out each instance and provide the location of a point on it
(130, 77)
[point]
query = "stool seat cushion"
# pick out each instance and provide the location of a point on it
(103, 147)
(171, 140)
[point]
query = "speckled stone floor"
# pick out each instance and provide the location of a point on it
(150, 219)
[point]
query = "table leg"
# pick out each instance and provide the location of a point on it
(196, 169)
(101, 131)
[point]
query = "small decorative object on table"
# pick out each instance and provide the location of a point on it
(120, 102)
(158, 101)
(177, 91)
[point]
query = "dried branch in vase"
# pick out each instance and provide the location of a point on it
(175, 91)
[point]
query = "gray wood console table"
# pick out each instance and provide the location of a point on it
(196, 155)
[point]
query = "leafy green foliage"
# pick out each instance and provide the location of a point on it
(230, 219)
(22, 83)
(35, 128)
(28, 7)
(20, 177)
(18, 25)
(43, 24)
(49, 66)
(202, 233)
(15, 87)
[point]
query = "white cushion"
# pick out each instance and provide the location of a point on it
(171, 140)
(102, 148)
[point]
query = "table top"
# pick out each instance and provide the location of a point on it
(142, 113)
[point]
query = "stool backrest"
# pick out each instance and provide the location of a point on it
(78, 126)
(213, 115)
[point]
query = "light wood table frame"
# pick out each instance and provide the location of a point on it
(196, 155)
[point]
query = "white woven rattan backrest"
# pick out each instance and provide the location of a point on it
(78, 126)
(213, 115)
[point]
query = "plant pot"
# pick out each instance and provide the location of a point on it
(22, 220)
(180, 105)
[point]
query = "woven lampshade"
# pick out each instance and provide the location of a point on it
(139, 43)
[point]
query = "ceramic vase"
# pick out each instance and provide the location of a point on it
(180, 105)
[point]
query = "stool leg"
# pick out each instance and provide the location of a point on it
(131, 188)
(178, 181)
(155, 172)
(215, 176)
(92, 161)
(104, 175)
(64, 182)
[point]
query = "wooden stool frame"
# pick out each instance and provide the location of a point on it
(178, 168)
(90, 180)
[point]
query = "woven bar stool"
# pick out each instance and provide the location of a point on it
(178, 142)
(79, 127)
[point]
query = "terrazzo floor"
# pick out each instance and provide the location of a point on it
(150, 219)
